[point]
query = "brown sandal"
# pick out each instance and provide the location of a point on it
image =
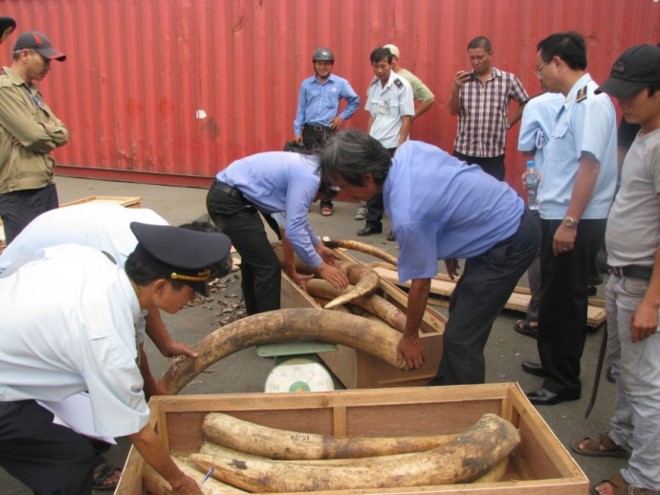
(601, 446)
(621, 487)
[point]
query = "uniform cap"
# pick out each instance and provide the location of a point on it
(40, 43)
(635, 69)
(180, 254)
(393, 49)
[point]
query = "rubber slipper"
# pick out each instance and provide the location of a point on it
(621, 487)
(102, 473)
(526, 327)
(326, 212)
(593, 447)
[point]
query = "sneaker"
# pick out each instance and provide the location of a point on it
(361, 213)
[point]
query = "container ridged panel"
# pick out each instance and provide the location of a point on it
(180, 88)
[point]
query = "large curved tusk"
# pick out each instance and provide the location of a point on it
(364, 279)
(360, 247)
(157, 485)
(463, 459)
(258, 440)
(372, 303)
(285, 324)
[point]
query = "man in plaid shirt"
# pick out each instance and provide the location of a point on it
(481, 100)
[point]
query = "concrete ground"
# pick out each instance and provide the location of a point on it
(247, 372)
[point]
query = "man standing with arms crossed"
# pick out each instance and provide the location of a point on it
(29, 131)
(317, 116)
(481, 100)
(391, 108)
(575, 196)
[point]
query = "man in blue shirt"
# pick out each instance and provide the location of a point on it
(317, 116)
(442, 209)
(272, 182)
(575, 195)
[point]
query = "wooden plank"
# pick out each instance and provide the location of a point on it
(127, 201)
(539, 466)
(442, 286)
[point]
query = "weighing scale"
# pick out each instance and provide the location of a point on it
(297, 367)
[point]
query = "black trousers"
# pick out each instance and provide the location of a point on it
(50, 459)
(260, 269)
(492, 165)
(564, 302)
(375, 207)
(315, 137)
(478, 298)
(19, 208)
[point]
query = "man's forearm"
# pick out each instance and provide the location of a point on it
(405, 129)
(516, 115)
(454, 103)
(422, 108)
(417, 299)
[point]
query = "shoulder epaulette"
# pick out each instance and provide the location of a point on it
(398, 83)
(581, 94)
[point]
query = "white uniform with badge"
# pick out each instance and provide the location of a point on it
(387, 105)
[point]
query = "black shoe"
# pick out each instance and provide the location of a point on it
(525, 327)
(390, 236)
(545, 397)
(370, 230)
(535, 369)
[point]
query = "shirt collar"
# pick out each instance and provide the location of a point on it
(15, 78)
(331, 79)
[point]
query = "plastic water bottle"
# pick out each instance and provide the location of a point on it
(532, 179)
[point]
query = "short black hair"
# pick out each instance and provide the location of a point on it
(568, 46)
(480, 42)
(379, 54)
(143, 275)
(353, 153)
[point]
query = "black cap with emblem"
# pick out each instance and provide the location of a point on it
(635, 69)
(180, 254)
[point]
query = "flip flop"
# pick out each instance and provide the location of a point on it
(593, 447)
(102, 473)
(621, 487)
(326, 212)
(526, 327)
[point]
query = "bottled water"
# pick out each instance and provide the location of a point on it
(532, 179)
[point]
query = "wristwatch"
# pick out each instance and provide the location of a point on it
(570, 222)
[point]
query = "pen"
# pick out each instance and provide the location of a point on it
(208, 475)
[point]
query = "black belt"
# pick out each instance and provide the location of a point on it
(229, 190)
(632, 271)
(318, 128)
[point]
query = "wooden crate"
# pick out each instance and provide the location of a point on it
(540, 465)
(357, 369)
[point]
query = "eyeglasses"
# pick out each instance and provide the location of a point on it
(539, 68)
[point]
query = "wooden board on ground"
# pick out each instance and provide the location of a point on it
(128, 201)
(357, 369)
(540, 465)
(442, 287)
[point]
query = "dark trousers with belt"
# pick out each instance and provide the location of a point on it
(260, 269)
(564, 302)
(19, 208)
(492, 165)
(478, 298)
(50, 459)
(314, 138)
(375, 207)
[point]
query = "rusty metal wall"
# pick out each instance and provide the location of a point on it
(171, 91)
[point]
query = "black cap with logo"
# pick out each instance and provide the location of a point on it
(180, 254)
(39, 42)
(635, 69)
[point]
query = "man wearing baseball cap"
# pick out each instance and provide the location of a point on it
(68, 331)
(633, 290)
(29, 131)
